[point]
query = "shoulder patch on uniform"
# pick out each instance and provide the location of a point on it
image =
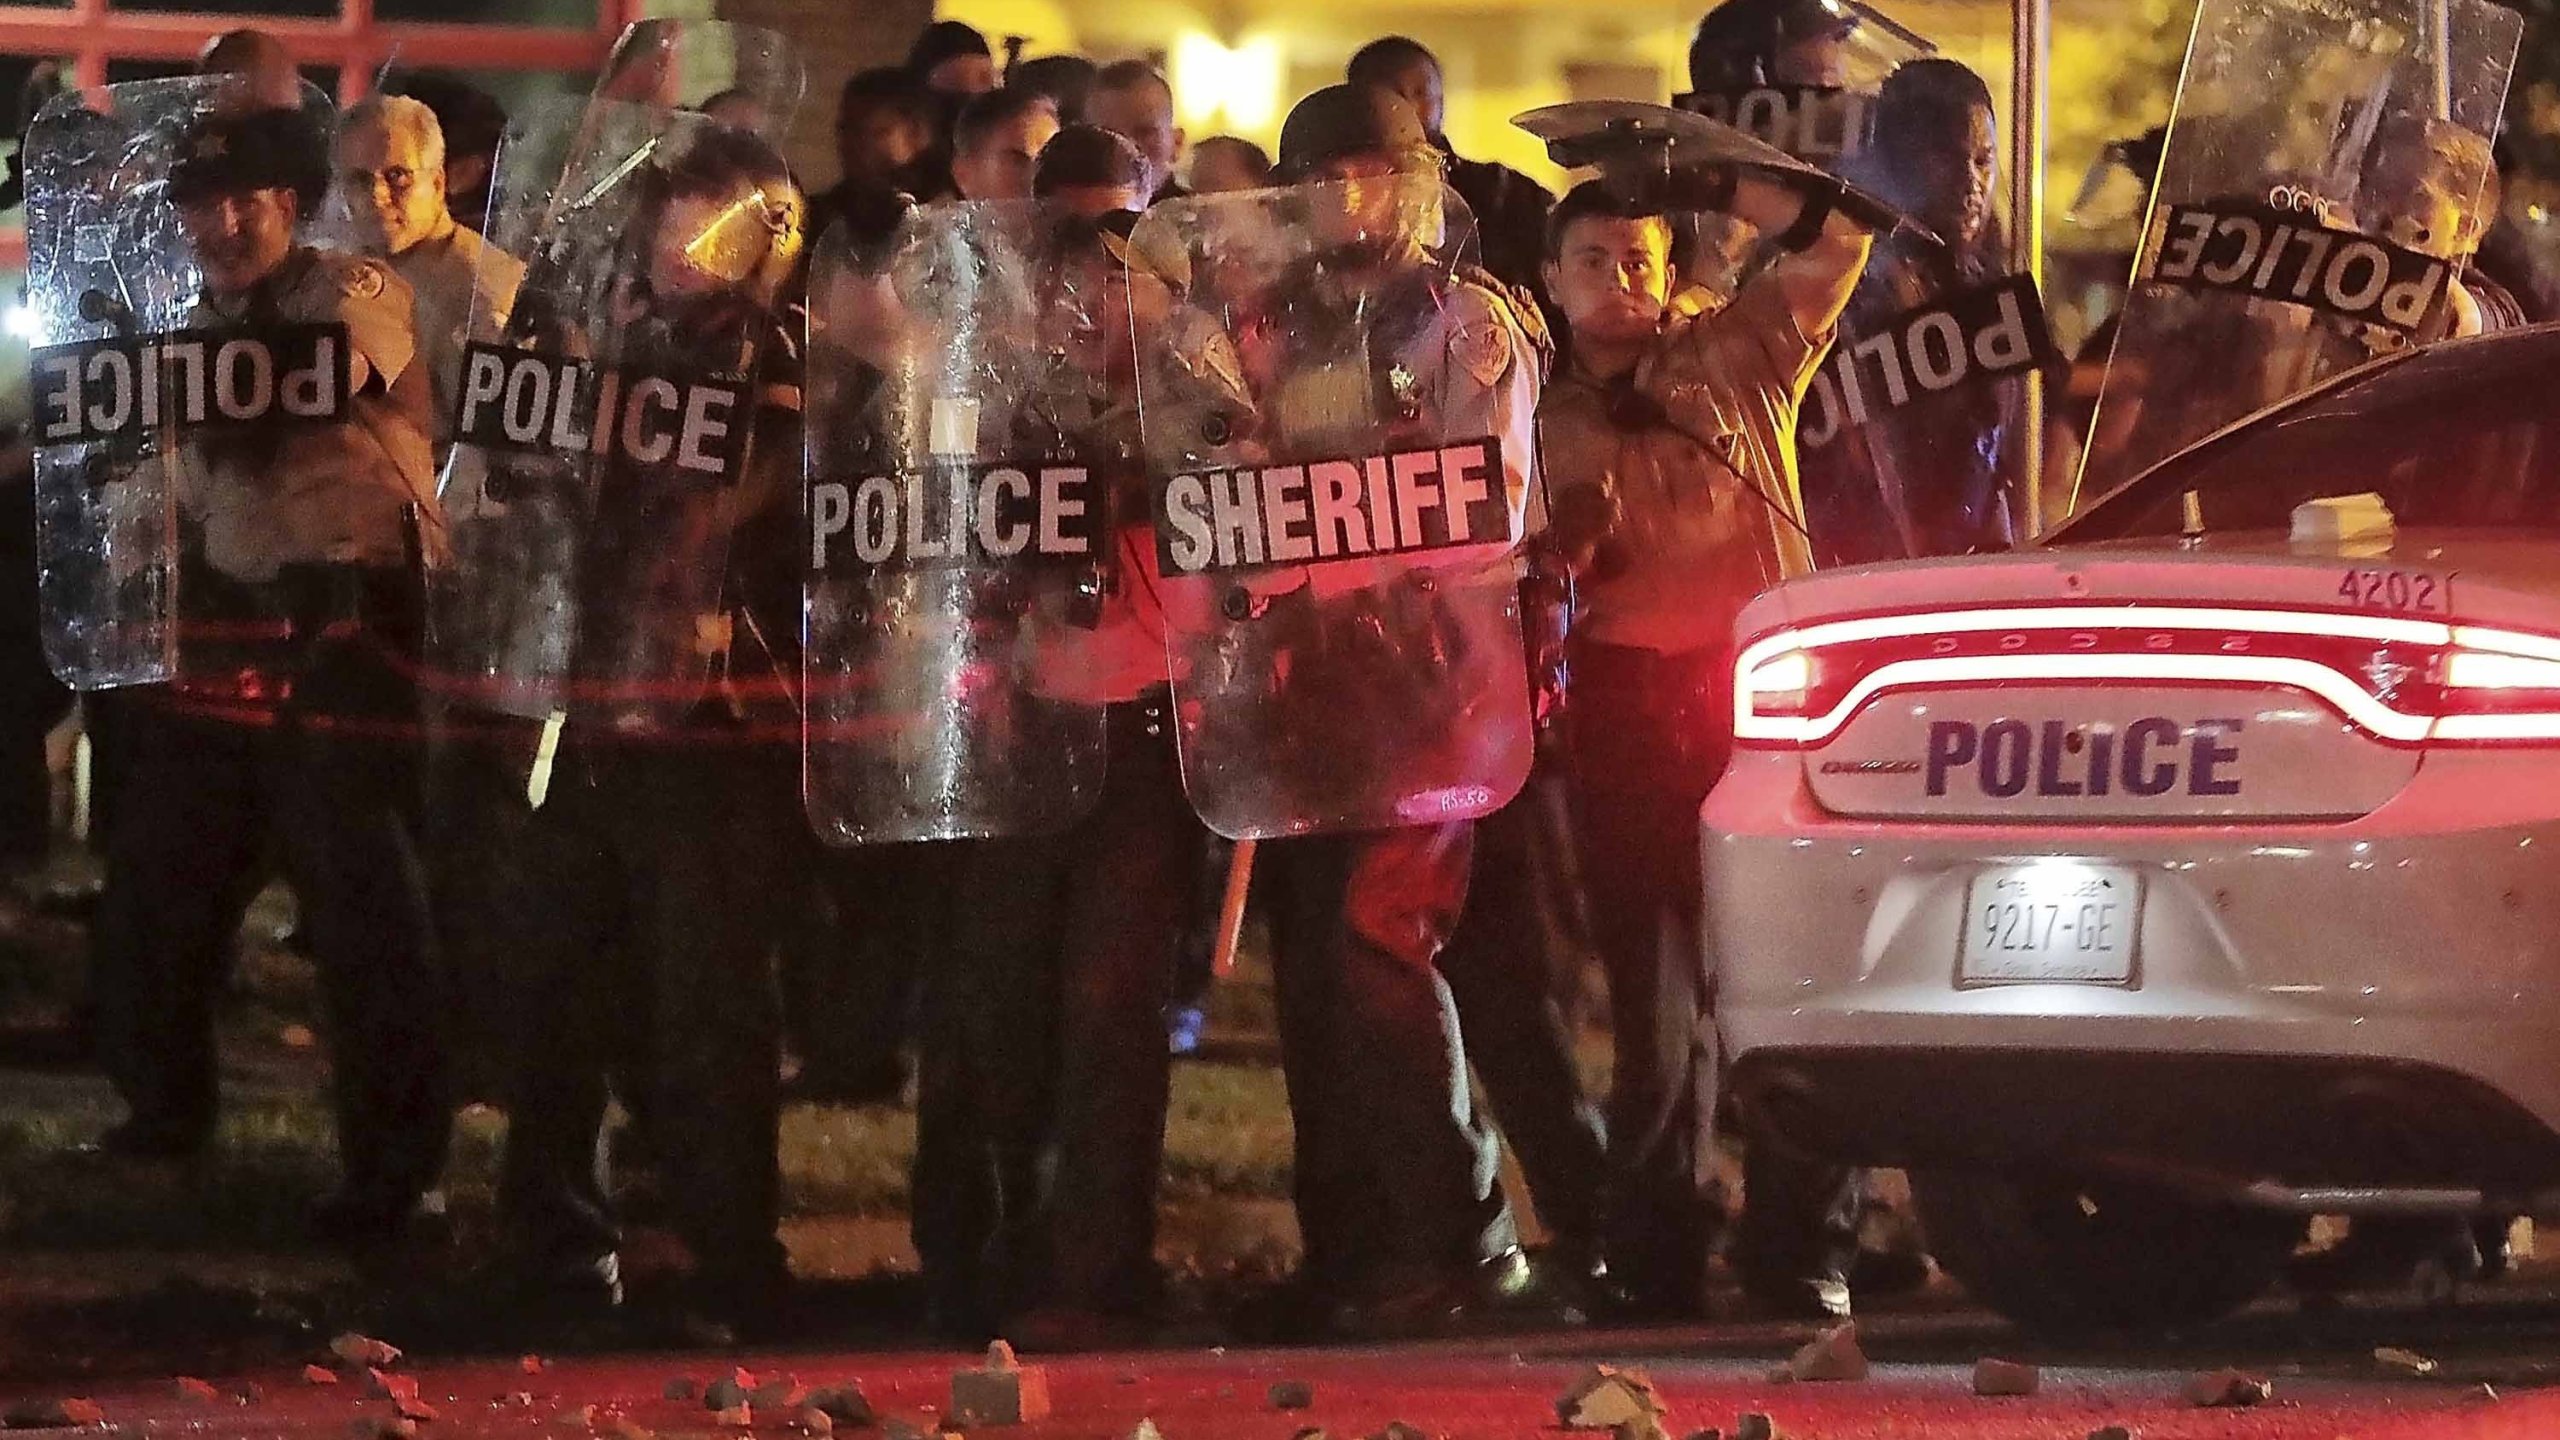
(1482, 348)
(1521, 310)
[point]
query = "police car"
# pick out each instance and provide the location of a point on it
(2190, 873)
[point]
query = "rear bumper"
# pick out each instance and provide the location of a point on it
(2368, 1003)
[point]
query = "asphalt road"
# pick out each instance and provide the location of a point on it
(2327, 1385)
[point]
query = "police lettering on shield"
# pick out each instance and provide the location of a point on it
(127, 386)
(529, 401)
(953, 515)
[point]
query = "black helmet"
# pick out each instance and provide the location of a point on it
(226, 151)
(1341, 120)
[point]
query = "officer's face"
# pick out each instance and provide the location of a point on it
(1612, 277)
(1420, 86)
(1143, 115)
(1368, 202)
(395, 198)
(875, 142)
(1000, 165)
(240, 236)
(1956, 178)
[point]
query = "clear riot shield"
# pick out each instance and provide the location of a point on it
(1335, 508)
(122, 369)
(1800, 76)
(973, 450)
(603, 427)
(740, 75)
(2327, 171)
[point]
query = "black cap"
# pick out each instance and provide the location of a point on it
(943, 39)
(1087, 155)
(228, 151)
(1341, 120)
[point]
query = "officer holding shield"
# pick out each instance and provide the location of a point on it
(300, 582)
(649, 836)
(1669, 448)
(1404, 1225)
(1930, 477)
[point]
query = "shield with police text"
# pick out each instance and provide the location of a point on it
(2327, 174)
(148, 385)
(605, 427)
(1801, 75)
(1914, 437)
(974, 503)
(1338, 424)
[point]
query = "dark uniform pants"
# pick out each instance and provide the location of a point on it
(1396, 1177)
(645, 896)
(1501, 974)
(335, 780)
(1046, 1075)
(1652, 732)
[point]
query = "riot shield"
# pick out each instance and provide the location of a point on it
(740, 75)
(605, 426)
(972, 471)
(1335, 506)
(2327, 172)
(1916, 436)
(124, 371)
(1817, 102)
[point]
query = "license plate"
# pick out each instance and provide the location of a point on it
(2051, 921)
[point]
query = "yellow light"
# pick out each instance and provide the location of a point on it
(1236, 87)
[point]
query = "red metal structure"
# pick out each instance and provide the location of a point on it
(89, 33)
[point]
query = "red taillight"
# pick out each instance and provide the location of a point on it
(2406, 681)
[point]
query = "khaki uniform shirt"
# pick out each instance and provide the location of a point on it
(1696, 500)
(318, 492)
(463, 288)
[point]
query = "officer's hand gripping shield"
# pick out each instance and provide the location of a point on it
(1336, 507)
(605, 435)
(974, 504)
(124, 402)
(2326, 172)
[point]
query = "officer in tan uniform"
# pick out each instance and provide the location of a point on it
(298, 595)
(1669, 443)
(391, 164)
(1405, 1227)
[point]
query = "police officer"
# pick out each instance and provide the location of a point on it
(1929, 478)
(1046, 1078)
(391, 165)
(1403, 1223)
(305, 538)
(653, 830)
(1510, 208)
(1669, 446)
